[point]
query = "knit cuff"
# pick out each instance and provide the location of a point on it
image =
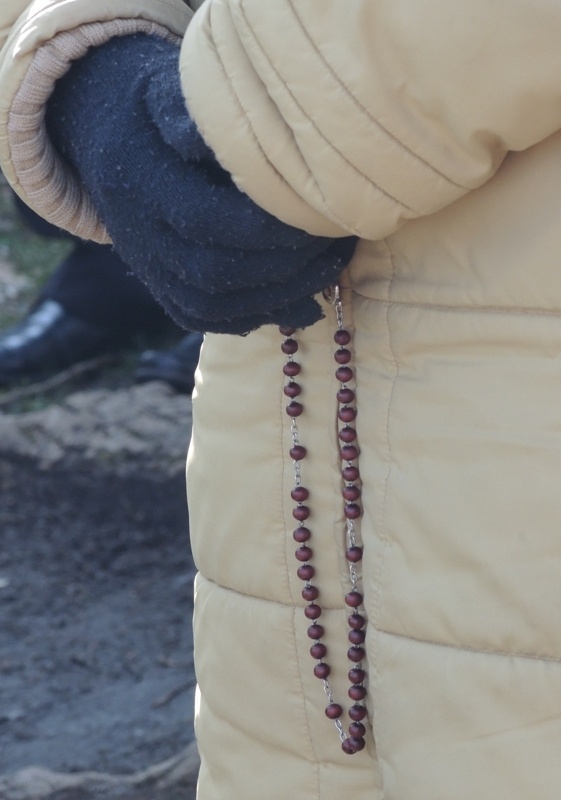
(48, 183)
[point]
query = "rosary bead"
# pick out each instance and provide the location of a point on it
(333, 711)
(299, 493)
(357, 743)
(357, 675)
(291, 369)
(347, 747)
(306, 572)
(287, 330)
(292, 389)
(352, 511)
(344, 374)
(356, 621)
(318, 650)
(357, 693)
(351, 492)
(345, 395)
(354, 554)
(298, 452)
(289, 346)
(347, 414)
(352, 599)
(301, 534)
(356, 654)
(357, 729)
(322, 670)
(347, 434)
(303, 553)
(356, 637)
(341, 336)
(310, 593)
(301, 513)
(349, 452)
(342, 356)
(294, 409)
(313, 611)
(350, 473)
(357, 712)
(315, 631)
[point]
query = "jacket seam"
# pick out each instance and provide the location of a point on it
(366, 112)
(477, 650)
(330, 144)
(543, 312)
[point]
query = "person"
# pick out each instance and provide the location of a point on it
(90, 306)
(407, 156)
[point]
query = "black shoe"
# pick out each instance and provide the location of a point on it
(175, 366)
(49, 340)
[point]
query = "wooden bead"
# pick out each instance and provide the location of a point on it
(342, 356)
(292, 389)
(356, 637)
(349, 452)
(301, 513)
(357, 712)
(289, 346)
(301, 534)
(310, 593)
(306, 572)
(342, 337)
(354, 554)
(347, 434)
(286, 330)
(318, 650)
(351, 493)
(356, 654)
(357, 693)
(298, 452)
(357, 743)
(334, 711)
(294, 409)
(304, 553)
(357, 675)
(322, 670)
(357, 729)
(350, 473)
(315, 631)
(356, 621)
(352, 511)
(347, 414)
(299, 494)
(344, 374)
(347, 747)
(313, 611)
(345, 395)
(352, 599)
(291, 369)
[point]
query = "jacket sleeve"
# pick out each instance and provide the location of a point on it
(359, 115)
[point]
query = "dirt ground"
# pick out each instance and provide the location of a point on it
(96, 670)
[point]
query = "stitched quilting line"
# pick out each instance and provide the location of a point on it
(330, 145)
(457, 309)
(476, 650)
(366, 112)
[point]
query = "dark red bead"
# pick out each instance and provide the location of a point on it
(344, 374)
(357, 744)
(353, 599)
(357, 729)
(310, 593)
(357, 693)
(286, 330)
(294, 409)
(313, 611)
(292, 389)
(345, 395)
(352, 511)
(301, 513)
(347, 747)
(349, 452)
(357, 675)
(351, 492)
(347, 434)
(322, 670)
(347, 414)
(315, 631)
(354, 554)
(356, 637)
(341, 336)
(289, 346)
(299, 493)
(342, 356)
(301, 534)
(318, 650)
(298, 452)
(355, 654)
(303, 553)
(292, 368)
(350, 473)
(306, 572)
(357, 712)
(333, 711)
(356, 621)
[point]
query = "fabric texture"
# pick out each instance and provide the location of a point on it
(209, 254)
(432, 130)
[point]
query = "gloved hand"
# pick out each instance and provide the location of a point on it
(214, 259)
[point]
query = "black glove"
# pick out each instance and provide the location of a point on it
(214, 259)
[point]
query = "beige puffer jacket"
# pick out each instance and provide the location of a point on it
(431, 129)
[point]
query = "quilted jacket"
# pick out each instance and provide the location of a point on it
(432, 130)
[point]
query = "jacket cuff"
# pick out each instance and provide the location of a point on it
(38, 174)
